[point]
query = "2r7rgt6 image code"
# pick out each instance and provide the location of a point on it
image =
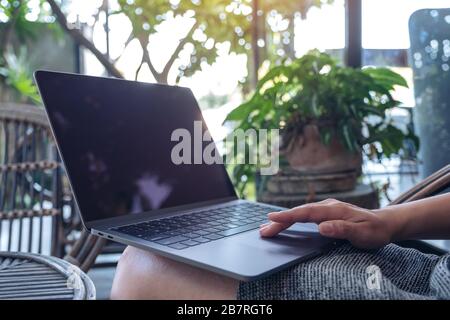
(246, 309)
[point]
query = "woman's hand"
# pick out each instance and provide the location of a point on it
(339, 220)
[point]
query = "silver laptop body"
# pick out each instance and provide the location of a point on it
(115, 139)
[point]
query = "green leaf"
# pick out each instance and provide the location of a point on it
(348, 139)
(386, 77)
(325, 136)
(241, 112)
(17, 75)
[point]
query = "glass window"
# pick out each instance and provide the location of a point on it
(323, 28)
(385, 22)
(385, 37)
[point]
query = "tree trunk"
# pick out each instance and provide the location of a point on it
(79, 38)
(255, 37)
(289, 48)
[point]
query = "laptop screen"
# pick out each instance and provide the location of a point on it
(117, 141)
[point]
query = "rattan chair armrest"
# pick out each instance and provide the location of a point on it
(430, 186)
(85, 250)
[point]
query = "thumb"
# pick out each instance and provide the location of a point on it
(338, 229)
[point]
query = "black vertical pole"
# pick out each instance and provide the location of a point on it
(353, 36)
(107, 29)
(77, 54)
(255, 37)
(77, 51)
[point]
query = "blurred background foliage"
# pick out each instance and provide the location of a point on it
(15, 73)
(246, 27)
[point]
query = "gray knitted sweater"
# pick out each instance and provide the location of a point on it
(391, 272)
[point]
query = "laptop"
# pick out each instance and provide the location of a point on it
(115, 139)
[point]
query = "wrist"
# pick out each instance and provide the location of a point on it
(392, 221)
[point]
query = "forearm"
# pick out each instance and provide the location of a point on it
(423, 219)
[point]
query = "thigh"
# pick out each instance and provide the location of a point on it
(144, 275)
(390, 272)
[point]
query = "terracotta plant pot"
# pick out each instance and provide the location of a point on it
(307, 154)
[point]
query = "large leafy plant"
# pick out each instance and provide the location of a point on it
(350, 104)
(17, 33)
(16, 74)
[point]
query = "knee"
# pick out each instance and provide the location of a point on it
(136, 275)
(143, 275)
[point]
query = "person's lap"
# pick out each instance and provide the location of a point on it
(144, 275)
(340, 273)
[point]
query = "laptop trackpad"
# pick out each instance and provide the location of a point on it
(292, 240)
(248, 256)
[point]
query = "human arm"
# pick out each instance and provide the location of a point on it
(423, 219)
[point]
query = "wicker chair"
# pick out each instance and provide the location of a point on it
(37, 212)
(28, 276)
(436, 183)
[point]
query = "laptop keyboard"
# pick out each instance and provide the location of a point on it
(192, 229)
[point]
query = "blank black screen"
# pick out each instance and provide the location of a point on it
(115, 139)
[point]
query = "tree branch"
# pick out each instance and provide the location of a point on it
(146, 58)
(136, 74)
(78, 36)
(127, 42)
(177, 51)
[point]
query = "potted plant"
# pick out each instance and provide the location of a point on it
(328, 116)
